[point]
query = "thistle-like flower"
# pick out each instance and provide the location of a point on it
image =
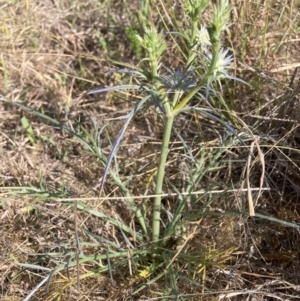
(219, 20)
(153, 42)
(202, 39)
(180, 79)
(222, 65)
(193, 8)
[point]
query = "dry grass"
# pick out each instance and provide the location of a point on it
(54, 51)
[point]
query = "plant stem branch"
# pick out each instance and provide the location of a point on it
(160, 178)
(204, 81)
(192, 53)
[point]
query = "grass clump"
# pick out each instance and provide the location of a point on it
(181, 172)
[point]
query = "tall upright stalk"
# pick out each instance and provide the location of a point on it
(160, 178)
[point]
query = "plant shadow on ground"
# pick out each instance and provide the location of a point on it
(47, 63)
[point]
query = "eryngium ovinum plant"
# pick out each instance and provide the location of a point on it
(206, 63)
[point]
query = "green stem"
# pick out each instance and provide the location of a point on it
(160, 178)
(154, 68)
(192, 53)
(204, 81)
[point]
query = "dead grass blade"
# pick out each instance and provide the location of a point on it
(262, 161)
